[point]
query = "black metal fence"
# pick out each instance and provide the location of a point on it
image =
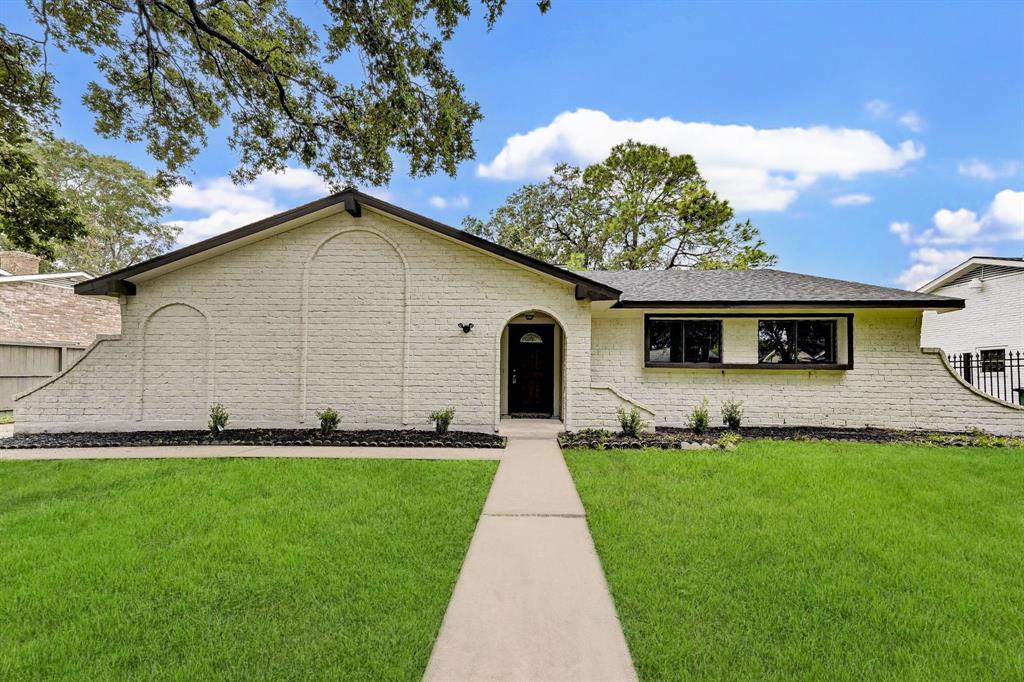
(999, 373)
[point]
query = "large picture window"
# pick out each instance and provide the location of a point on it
(676, 341)
(793, 342)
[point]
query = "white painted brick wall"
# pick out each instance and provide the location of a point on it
(893, 383)
(381, 338)
(992, 318)
(362, 314)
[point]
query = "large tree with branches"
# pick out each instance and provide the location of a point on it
(641, 208)
(339, 101)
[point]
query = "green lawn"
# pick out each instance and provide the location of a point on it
(230, 569)
(813, 560)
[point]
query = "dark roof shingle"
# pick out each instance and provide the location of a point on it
(755, 287)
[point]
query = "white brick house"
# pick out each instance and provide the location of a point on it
(386, 315)
(993, 315)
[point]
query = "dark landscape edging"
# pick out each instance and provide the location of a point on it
(409, 438)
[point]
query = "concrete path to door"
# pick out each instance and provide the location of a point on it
(531, 602)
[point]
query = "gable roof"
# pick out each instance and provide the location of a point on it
(121, 281)
(630, 288)
(983, 267)
(726, 288)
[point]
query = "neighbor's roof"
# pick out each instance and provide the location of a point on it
(725, 288)
(123, 281)
(975, 267)
(53, 279)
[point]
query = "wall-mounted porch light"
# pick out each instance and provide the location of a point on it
(466, 327)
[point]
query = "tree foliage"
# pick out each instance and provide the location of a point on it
(120, 204)
(641, 208)
(174, 69)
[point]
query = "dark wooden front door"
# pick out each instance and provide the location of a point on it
(531, 365)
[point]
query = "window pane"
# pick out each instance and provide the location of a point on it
(815, 341)
(775, 341)
(664, 338)
(531, 337)
(993, 360)
(703, 341)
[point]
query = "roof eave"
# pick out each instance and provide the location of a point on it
(953, 273)
(120, 282)
(939, 304)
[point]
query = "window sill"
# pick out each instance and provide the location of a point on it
(735, 365)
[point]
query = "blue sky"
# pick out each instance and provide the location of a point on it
(880, 142)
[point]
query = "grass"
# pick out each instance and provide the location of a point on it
(790, 560)
(230, 569)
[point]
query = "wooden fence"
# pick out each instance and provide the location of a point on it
(24, 365)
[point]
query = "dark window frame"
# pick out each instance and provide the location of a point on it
(992, 365)
(681, 318)
(803, 366)
(796, 340)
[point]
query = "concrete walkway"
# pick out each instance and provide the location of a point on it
(531, 602)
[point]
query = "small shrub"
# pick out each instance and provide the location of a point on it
(218, 419)
(728, 441)
(442, 419)
(700, 419)
(732, 413)
(329, 419)
(631, 423)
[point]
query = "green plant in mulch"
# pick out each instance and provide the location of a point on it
(729, 441)
(631, 423)
(329, 419)
(732, 413)
(700, 419)
(976, 438)
(442, 419)
(218, 419)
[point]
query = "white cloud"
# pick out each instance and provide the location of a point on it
(1002, 221)
(912, 121)
(227, 205)
(973, 168)
(878, 108)
(852, 200)
(461, 201)
(1007, 209)
(755, 169)
(902, 230)
(929, 263)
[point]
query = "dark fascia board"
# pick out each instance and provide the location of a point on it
(119, 282)
(943, 302)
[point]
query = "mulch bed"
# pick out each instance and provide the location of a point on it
(675, 438)
(372, 438)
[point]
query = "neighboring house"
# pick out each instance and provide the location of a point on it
(44, 326)
(985, 340)
(993, 315)
(386, 315)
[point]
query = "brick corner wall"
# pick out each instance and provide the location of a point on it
(42, 314)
